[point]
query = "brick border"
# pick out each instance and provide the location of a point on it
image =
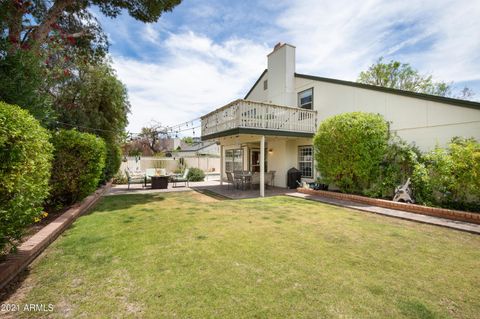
(412, 208)
(15, 263)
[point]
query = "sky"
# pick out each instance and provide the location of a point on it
(205, 54)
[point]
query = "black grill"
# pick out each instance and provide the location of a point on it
(294, 178)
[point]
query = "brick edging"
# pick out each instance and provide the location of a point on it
(16, 262)
(412, 208)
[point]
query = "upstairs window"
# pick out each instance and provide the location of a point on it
(305, 99)
(265, 85)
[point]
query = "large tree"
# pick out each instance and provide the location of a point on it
(31, 23)
(402, 76)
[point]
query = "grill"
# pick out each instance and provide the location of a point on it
(294, 178)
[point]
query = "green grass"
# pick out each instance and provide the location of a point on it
(185, 255)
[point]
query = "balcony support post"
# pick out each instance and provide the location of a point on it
(221, 165)
(262, 166)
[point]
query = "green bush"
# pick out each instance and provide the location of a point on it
(450, 177)
(120, 178)
(79, 160)
(397, 166)
(112, 161)
(349, 149)
(25, 163)
(195, 175)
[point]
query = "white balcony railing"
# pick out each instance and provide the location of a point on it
(255, 115)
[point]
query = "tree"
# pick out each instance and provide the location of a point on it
(23, 82)
(30, 23)
(152, 134)
(402, 76)
(188, 140)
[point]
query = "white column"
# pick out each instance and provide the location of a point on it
(262, 166)
(221, 164)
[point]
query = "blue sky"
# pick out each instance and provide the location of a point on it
(204, 54)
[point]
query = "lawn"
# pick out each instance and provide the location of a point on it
(186, 255)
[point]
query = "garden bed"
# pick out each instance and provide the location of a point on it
(412, 208)
(16, 262)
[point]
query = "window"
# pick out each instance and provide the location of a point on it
(233, 160)
(265, 85)
(305, 160)
(305, 99)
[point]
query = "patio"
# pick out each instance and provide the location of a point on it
(205, 187)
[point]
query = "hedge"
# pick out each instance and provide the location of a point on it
(79, 160)
(25, 163)
(113, 161)
(349, 149)
(450, 177)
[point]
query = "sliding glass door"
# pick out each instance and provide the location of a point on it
(234, 160)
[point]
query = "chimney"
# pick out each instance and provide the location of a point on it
(281, 75)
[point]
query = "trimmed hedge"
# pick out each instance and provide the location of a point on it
(113, 161)
(25, 163)
(349, 149)
(79, 160)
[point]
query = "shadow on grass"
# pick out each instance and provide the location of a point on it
(12, 287)
(122, 202)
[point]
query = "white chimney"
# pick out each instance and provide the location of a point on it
(281, 75)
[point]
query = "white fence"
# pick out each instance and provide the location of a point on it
(207, 164)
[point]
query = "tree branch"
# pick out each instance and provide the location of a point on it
(40, 34)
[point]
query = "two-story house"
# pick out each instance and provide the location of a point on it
(271, 129)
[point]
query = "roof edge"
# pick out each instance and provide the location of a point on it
(423, 96)
(255, 84)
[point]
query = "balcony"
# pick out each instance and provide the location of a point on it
(247, 117)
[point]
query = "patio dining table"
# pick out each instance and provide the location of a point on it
(245, 177)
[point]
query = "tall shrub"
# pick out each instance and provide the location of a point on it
(397, 166)
(113, 161)
(450, 177)
(349, 149)
(79, 159)
(25, 163)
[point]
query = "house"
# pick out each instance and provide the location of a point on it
(198, 149)
(271, 129)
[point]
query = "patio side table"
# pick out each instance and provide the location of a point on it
(160, 182)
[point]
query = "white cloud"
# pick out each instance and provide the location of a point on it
(195, 77)
(341, 38)
(185, 73)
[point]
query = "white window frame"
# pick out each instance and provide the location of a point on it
(305, 159)
(307, 106)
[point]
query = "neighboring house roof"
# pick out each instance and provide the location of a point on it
(195, 147)
(428, 97)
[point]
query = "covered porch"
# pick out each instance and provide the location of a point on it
(266, 157)
(262, 140)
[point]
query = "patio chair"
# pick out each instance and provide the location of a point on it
(238, 176)
(231, 180)
(181, 179)
(133, 178)
(149, 172)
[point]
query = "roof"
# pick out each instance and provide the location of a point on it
(422, 96)
(195, 147)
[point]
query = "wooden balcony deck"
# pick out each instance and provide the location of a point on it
(243, 116)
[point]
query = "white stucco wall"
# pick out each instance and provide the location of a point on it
(426, 123)
(258, 93)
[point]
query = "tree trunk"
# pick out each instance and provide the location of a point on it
(40, 34)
